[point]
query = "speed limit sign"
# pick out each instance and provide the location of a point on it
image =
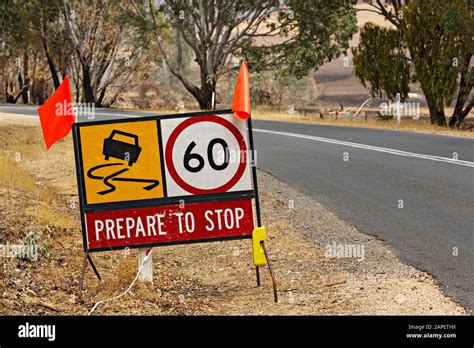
(206, 154)
(165, 179)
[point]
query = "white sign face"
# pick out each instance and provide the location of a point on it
(206, 154)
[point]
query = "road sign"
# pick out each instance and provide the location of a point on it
(207, 154)
(121, 161)
(164, 180)
(138, 227)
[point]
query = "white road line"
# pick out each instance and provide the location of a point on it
(81, 115)
(91, 117)
(369, 147)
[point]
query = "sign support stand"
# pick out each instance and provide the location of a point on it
(87, 257)
(257, 209)
(241, 201)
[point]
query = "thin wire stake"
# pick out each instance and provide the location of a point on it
(275, 295)
(83, 273)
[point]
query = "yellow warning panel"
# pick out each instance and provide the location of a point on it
(121, 162)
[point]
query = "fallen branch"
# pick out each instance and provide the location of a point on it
(334, 284)
(47, 305)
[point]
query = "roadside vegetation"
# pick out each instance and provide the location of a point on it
(430, 42)
(181, 55)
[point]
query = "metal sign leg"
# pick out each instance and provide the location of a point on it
(93, 266)
(87, 257)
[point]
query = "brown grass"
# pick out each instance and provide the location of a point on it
(422, 125)
(12, 177)
(23, 143)
(47, 214)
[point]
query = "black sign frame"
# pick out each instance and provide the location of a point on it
(198, 198)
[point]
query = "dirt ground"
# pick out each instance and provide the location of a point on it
(38, 194)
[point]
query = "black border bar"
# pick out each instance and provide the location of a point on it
(91, 208)
(288, 330)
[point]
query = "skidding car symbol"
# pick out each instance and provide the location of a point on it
(124, 151)
(121, 150)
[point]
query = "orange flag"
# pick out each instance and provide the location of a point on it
(57, 114)
(241, 103)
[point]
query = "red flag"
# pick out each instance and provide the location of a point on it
(57, 114)
(241, 103)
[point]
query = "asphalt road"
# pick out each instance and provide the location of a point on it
(405, 188)
(97, 115)
(367, 189)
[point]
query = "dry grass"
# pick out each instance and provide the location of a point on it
(408, 125)
(46, 214)
(18, 143)
(13, 178)
(22, 144)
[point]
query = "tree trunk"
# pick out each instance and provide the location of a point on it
(465, 88)
(205, 95)
(87, 86)
(440, 117)
(52, 67)
(21, 83)
(437, 115)
(9, 98)
(455, 119)
(100, 100)
(25, 80)
(204, 103)
(7, 95)
(9, 92)
(459, 115)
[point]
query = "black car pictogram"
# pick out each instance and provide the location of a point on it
(120, 149)
(124, 151)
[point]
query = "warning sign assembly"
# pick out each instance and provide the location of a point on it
(164, 180)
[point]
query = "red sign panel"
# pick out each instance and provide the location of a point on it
(169, 224)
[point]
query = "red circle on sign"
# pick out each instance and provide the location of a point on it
(172, 140)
